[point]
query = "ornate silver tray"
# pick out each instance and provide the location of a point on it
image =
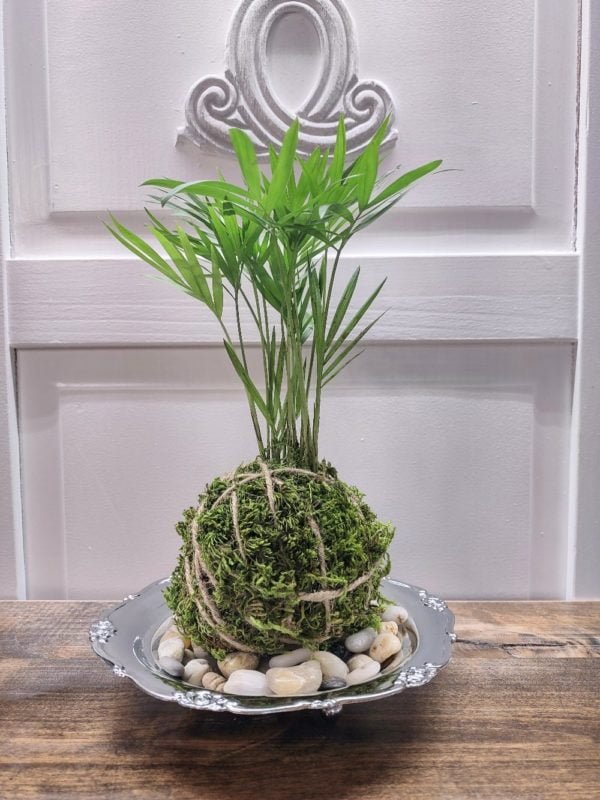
(125, 636)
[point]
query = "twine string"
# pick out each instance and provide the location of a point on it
(333, 594)
(197, 574)
(323, 563)
(269, 484)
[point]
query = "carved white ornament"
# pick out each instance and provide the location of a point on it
(243, 97)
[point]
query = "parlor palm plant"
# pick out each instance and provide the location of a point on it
(279, 552)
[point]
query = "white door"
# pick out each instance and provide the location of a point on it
(471, 422)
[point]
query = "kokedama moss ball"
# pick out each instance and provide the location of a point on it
(275, 557)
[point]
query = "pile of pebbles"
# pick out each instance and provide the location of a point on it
(360, 658)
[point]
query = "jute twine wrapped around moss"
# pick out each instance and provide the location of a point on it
(277, 556)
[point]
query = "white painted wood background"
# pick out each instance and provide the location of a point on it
(470, 422)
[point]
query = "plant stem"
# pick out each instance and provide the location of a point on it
(336, 261)
(253, 414)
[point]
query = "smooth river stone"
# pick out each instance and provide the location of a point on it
(171, 665)
(384, 646)
(195, 670)
(247, 682)
(331, 665)
(389, 626)
(235, 661)
(291, 659)
(401, 656)
(213, 681)
(171, 648)
(361, 641)
(396, 613)
(173, 633)
(291, 681)
(363, 673)
(356, 662)
(339, 649)
(332, 683)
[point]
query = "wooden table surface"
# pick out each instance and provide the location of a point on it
(515, 715)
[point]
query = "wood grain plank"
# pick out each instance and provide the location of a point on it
(117, 301)
(560, 630)
(491, 725)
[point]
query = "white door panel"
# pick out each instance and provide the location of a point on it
(463, 447)
(457, 422)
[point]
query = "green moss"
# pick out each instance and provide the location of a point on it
(252, 578)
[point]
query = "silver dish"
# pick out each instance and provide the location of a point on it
(126, 637)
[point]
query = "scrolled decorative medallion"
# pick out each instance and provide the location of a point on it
(416, 676)
(244, 98)
(432, 601)
(101, 631)
(330, 708)
(205, 700)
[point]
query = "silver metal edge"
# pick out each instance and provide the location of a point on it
(116, 648)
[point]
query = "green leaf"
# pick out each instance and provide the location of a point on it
(285, 164)
(246, 154)
(162, 183)
(143, 250)
(218, 190)
(337, 343)
(273, 159)
(367, 175)
(338, 210)
(342, 307)
(251, 389)
(335, 372)
(336, 170)
(278, 232)
(187, 264)
(224, 238)
(406, 180)
(350, 346)
(217, 286)
(316, 302)
(196, 270)
(367, 219)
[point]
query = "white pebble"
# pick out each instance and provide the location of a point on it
(213, 681)
(171, 648)
(356, 662)
(290, 681)
(195, 670)
(292, 658)
(384, 646)
(364, 673)
(401, 656)
(248, 682)
(331, 665)
(396, 613)
(360, 641)
(171, 665)
(173, 633)
(389, 626)
(235, 661)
